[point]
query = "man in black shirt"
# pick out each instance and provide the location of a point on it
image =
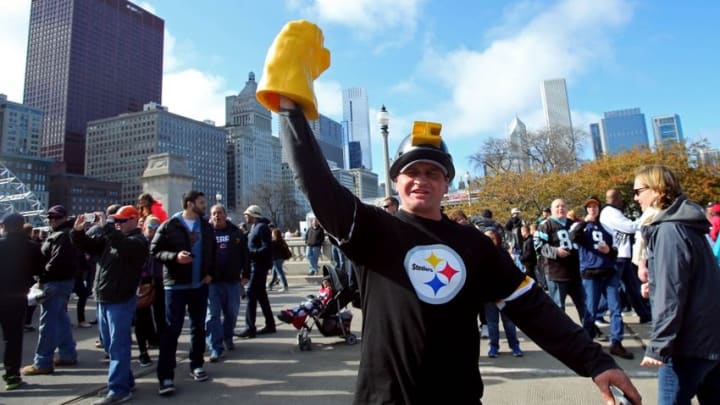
(423, 278)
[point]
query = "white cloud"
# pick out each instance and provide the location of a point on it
(367, 16)
(195, 94)
(147, 7)
(13, 47)
(489, 87)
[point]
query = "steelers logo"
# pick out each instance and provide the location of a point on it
(436, 272)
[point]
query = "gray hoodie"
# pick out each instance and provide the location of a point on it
(684, 284)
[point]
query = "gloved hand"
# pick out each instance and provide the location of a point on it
(295, 59)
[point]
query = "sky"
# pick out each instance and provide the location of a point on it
(471, 65)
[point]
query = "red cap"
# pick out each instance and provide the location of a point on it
(715, 209)
(126, 212)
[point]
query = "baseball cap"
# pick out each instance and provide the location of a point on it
(425, 145)
(126, 212)
(715, 209)
(12, 220)
(254, 211)
(515, 211)
(57, 211)
(592, 200)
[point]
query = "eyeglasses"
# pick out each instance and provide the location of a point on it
(638, 191)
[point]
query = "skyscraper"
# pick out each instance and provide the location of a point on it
(254, 155)
(87, 60)
(667, 129)
(357, 114)
(596, 139)
(517, 135)
(555, 104)
(623, 130)
(20, 128)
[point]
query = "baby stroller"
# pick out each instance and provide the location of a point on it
(332, 320)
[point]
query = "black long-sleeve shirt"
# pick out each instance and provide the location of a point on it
(423, 283)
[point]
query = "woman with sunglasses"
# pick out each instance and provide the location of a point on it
(684, 279)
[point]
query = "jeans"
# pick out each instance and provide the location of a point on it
(55, 331)
(115, 324)
(256, 293)
(594, 289)
(223, 297)
(680, 379)
(313, 255)
(195, 300)
(338, 257)
(559, 290)
(278, 273)
(631, 282)
(493, 316)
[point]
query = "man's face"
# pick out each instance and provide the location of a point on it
(249, 219)
(218, 218)
(559, 209)
(198, 207)
(422, 187)
(55, 220)
(390, 207)
(126, 225)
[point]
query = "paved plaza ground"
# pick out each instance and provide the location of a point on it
(272, 370)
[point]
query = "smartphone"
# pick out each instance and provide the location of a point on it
(620, 398)
(90, 217)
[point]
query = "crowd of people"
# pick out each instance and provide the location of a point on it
(420, 271)
(151, 269)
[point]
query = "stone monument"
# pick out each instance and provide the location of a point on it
(167, 177)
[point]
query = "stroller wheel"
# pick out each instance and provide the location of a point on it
(351, 339)
(304, 342)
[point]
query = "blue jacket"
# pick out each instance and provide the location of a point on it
(260, 245)
(587, 235)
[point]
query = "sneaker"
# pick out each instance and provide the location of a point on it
(617, 349)
(84, 325)
(113, 399)
(516, 352)
(94, 322)
(144, 360)
(267, 330)
(199, 374)
(63, 362)
(493, 352)
(13, 382)
(166, 387)
(215, 356)
(283, 289)
(229, 345)
(484, 332)
(601, 322)
(32, 370)
(98, 344)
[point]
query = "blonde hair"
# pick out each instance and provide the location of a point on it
(663, 181)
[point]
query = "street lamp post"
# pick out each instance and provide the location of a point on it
(383, 118)
(467, 188)
(218, 197)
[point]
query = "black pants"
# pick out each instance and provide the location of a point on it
(12, 318)
(257, 294)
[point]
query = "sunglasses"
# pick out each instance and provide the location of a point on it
(387, 206)
(638, 191)
(53, 217)
(121, 220)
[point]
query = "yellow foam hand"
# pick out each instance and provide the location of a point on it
(426, 133)
(295, 59)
